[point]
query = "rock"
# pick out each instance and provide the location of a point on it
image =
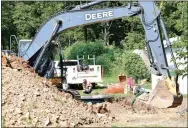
(11, 110)
(47, 122)
(18, 111)
(22, 97)
(89, 103)
(27, 115)
(100, 115)
(37, 93)
(55, 118)
(12, 122)
(63, 123)
(45, 90)
(111, 118)
(34, 121)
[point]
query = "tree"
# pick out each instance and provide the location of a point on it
(182, 45)
(7, 28)
(134, 41)
(82, 48)
(134, 66)
(29, 16)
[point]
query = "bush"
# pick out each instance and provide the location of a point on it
(114, 60)
(81, 48)
(133, 41)
(106, 62)
(104, 55)
(132, 65)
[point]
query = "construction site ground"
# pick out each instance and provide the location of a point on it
(29, 100)
(148, 117)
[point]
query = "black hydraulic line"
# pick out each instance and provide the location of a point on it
(164, 53)
(59, 23)
(150, 56)
(167, 40)
(61, 65)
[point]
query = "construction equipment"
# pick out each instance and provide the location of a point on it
(39, 53)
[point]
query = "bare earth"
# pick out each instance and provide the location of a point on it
(153, 117)
(29, 100)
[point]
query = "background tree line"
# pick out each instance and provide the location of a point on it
(23, 19)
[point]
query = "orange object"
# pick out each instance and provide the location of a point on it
(102, 72)
(116, 88)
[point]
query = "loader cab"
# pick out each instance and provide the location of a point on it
(23, 46)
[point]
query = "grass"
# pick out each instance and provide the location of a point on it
(98, 90)
(94, 92)
(110, 79)
(147, 85)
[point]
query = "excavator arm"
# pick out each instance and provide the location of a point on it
(40, 49)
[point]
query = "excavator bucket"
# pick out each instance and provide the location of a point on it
(163, 96)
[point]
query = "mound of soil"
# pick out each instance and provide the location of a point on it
(29, 101)
(137, 107)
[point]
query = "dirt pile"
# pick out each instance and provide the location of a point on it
(16, 63)
(28, 101)
(137, 107)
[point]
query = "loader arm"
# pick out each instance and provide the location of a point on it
(149, 13)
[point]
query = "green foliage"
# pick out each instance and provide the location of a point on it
(134, 41)
(132, 65)
(71, 36)
(7, 26)
(170, 13)
(182, 44)
(105, 61)
(104, 55)
(24, 18)
(28, 16)
(84, 48)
